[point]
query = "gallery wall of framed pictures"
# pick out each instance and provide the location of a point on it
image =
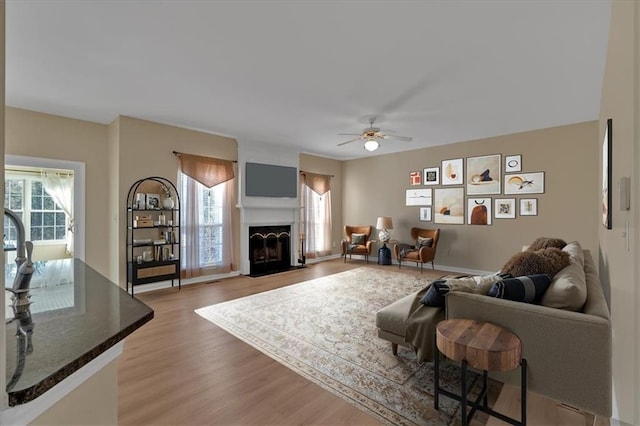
(475, 190)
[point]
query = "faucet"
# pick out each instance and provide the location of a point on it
(25, 268)
(17, 222)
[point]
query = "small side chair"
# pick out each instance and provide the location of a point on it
(423, 249)
(357, 241)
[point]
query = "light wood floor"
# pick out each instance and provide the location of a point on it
(181, 369)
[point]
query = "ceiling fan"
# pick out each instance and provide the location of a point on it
(371, 135)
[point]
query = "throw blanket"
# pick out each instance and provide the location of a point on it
(421, 324)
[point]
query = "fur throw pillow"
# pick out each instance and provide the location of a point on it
(546, 261)
(545, 242)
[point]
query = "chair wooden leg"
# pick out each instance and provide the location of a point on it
(399, 263)
(433, 266)
(421, 267)
(394, 348)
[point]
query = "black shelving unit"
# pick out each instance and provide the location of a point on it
(153, 233)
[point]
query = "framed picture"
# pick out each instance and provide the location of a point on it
(418, 197)
(505, 208)
(528, 207)
(607, 145)
(425, 214)
(524, 183)
(415, 178)
(513, 163)
(449, 206)
(452, 171)
(153, 201)
(431, 176)
(479, 211)
(483, 174)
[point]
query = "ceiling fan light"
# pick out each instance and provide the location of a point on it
(371, 145)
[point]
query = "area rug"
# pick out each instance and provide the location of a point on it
(324, 329)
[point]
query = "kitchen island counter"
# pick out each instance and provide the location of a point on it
(76, 314)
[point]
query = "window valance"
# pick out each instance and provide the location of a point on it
(320, 184)
(206, 170)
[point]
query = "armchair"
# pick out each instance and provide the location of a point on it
(358, 245)
(414, 253)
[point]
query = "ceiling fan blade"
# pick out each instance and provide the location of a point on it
(349, 134)
(349, 141)
(398, 138)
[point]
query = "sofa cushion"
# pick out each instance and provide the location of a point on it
(545, 261)
(433, 297)
(528, 289)
(358, 239)
(424, 242)
(568, 289)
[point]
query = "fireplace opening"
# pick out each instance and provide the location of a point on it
(269, 249)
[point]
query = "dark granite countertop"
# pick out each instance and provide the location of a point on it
(76, 314)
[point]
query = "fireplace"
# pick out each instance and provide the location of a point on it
(269, 249)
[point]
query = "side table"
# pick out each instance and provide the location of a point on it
(483, 346)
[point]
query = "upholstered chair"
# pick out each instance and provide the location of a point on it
(421, 251)
(357, 241)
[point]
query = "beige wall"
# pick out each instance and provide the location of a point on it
(327, 166)
(619, 269)
(48, 136)
(376, 187)
(145, 149)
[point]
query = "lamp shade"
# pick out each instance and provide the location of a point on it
(384, 222)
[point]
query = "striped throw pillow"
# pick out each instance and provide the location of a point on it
(527, 289)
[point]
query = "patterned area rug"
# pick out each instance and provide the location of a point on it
(324, 329)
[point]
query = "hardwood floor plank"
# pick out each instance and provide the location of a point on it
(182, 369)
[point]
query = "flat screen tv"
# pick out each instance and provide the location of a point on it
(267, 180)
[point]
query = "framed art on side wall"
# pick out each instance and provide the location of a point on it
(528, 207)
(452, 172)
(415, 178)
(505, 208)
(418, 197)
(425, 214)
(607, 144)
(431, 176)
(449, 206)
(479, 211)
(513, 163)
(524, 183)
(483, 174)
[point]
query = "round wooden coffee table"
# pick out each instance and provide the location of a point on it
(483, 346)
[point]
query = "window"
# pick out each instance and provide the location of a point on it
(203, 210)
(211, 200)
(316, 221)
(48, 220)
(43, 219)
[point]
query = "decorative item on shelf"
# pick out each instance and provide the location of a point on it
(153, 201)
(384, 223)
(143, 221)
(141, 201)
(162, 219)
(167, 203)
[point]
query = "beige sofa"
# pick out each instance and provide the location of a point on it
(568, 353)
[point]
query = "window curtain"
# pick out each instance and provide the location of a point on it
(60, 187)
(315, 218)
(218, 172)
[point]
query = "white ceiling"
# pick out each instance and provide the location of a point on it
(298, 73)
